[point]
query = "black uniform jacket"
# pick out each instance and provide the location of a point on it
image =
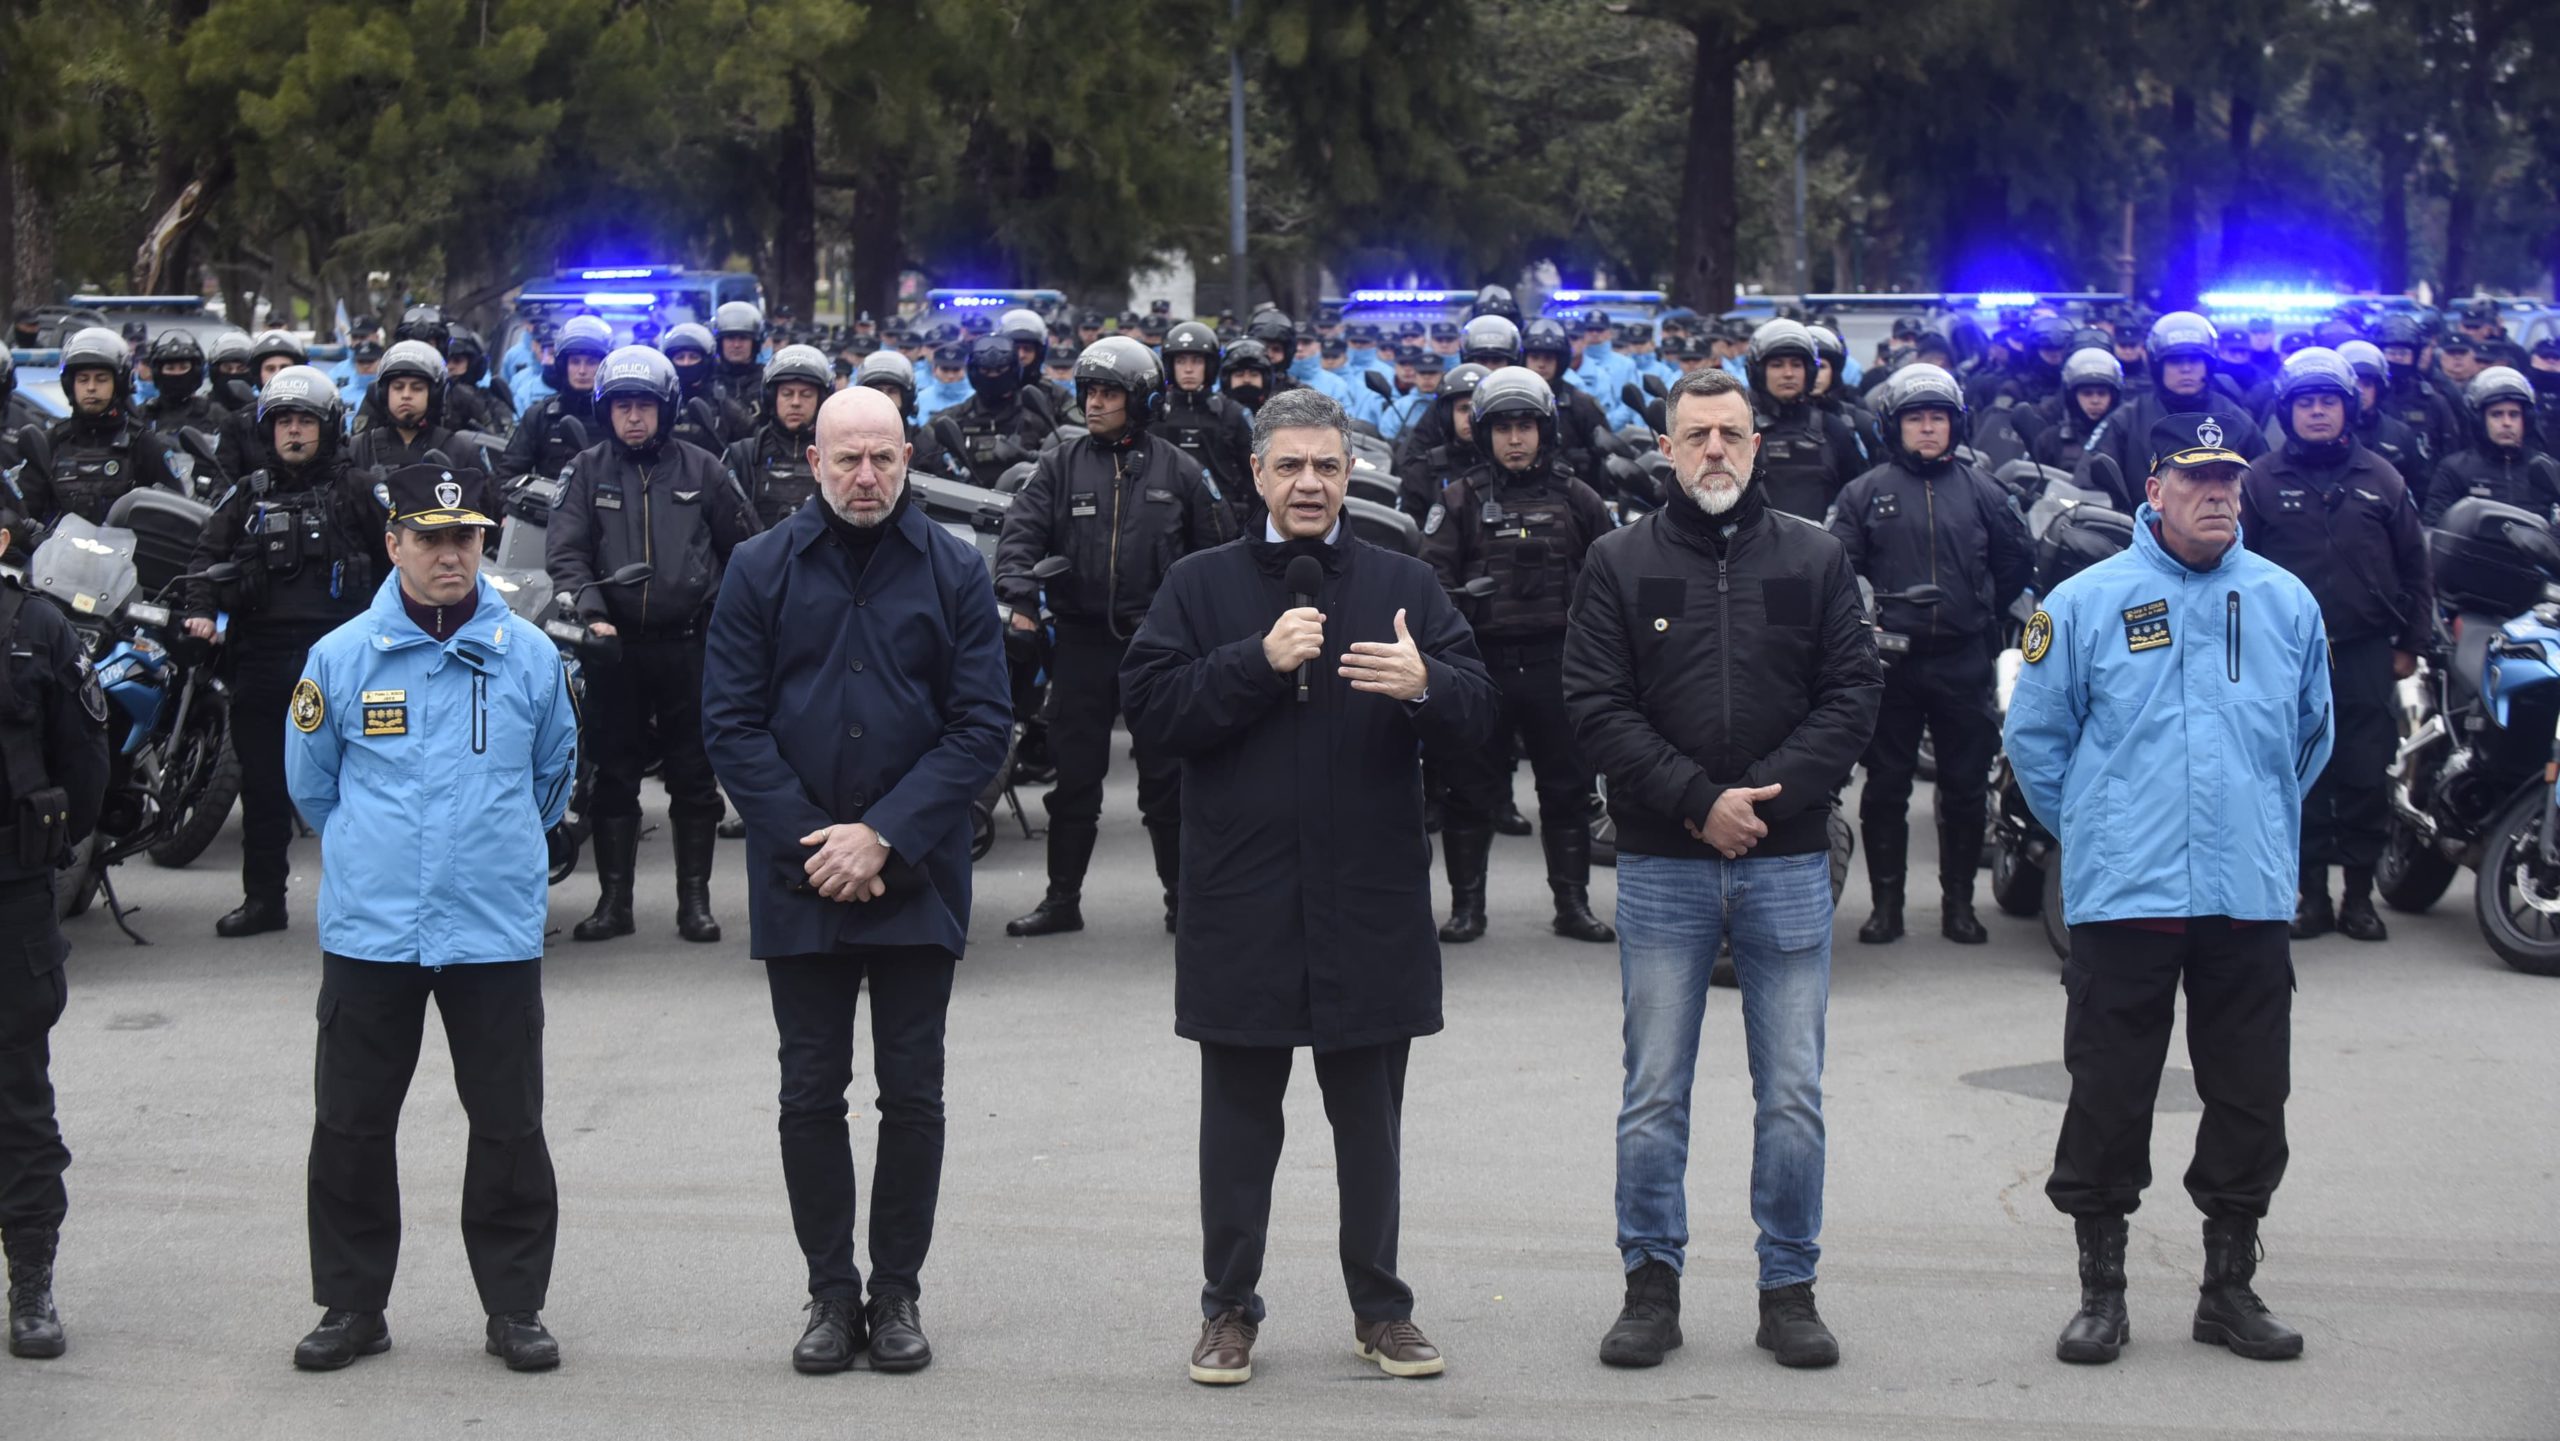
(2350, 534)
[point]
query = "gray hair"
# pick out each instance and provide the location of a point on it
(1300, 408)
(1704, 381)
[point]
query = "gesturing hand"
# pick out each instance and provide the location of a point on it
(1296, 638)
(1395, 671)
(848, 862)
(1732, 826)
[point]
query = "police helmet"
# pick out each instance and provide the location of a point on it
(2334, 333)
(1495, 300)
(2479, 310)
(644, 371)
(412, 357)
(231, 347)
(1514, 390)
(176, 346)
(1192, 338)
(2497, 383)
(2093, 365)
(2181, 333)
(1023, 326)
(688, 336)
(2365, 358)
(305, 389)
(273, 343)
(1277, 332)
(2049, 332)
(1826, 344)
(1242, 356)
(2400, 328)
(424, 323)
(582, 333)
(1907, 327)
(995, 372)
(1920, 385)
(1461, 381)
(737, 317)
(808, 365)
(1119, 360)
(886, 370)
(2310, 370)
(97, 348)
(1491, 340)
(1776, 338)
(1546, 337)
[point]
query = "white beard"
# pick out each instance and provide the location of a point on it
(1714, 499)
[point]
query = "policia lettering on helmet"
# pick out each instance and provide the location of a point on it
(1121, 504)
(1925, 518)
(2335, 515)
(1215, 430)
(53, 777)
(640, 496)
(101, 449)
(1522, 520)
(1807, 452)
(566, 422)
(306, 533)
(996, 428)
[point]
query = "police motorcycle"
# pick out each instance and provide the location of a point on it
(172, 778)
(2472, 785)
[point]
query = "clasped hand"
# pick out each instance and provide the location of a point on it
(848, 862)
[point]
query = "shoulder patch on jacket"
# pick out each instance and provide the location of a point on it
(2039, 637)
(308, 708)
(1431, 522)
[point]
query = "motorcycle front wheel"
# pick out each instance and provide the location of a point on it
(2017, 884)
(75, 885)
(208, 784)
(2411, 874)
(2518, 897)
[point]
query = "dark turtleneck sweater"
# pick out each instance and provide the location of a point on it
(1690, 518)
(861, 541)
(440, 621)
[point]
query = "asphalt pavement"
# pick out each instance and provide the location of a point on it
(2414, 1241)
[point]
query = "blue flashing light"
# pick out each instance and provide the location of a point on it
(1605, 297)
(980, 302)
(621, 297)
(620, 272)
(1409, 297)
(2288, 301)
(2006, 299)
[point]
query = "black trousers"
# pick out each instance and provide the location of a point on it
(654, 692)
(33, 991)
(372, 1017)
(2348, 811)
(1241, 1127)
(1529, 679)
(1084, 698)
(2124, 983)
(265, 665)
(813, 1006)
(1951, 694)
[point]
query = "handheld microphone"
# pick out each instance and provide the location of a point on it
(1305, 577)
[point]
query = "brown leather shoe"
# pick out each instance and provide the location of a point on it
(1224, 1356)
(1398, 1347)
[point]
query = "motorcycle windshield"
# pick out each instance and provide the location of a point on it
(87, 569)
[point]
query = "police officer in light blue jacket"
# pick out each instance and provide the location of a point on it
(431, 743)
(2173, 708)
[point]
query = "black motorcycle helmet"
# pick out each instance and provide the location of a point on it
(425, 322)
(1246, 358)
(305, 389)
(1495, 300)
(642, 370)
(1514, 390)
(693, 379)
(995, 372)
(1459, 384)
(1193, 338)
(465, 345)
(1546, 337)
(2049, 332)
(1127, 363)
(1277, 332)
(412, 358)
(1776, 338)
(1492, 341)
(98, 348)
(175, 349)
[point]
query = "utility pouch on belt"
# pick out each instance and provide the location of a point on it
(39, 827)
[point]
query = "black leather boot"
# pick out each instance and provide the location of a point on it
(617, 843)
(2311, 913)
(2357, 920)
(1568, 851)
(2228, 1312)
(695, 842)
(1509, 821)
(1167, 841)
(1959, 861)
(1470, 851)
(2097, 1334)
(257, 915)
(1061, 910)
(1649, 1323)
(35, 1328)
(1888, 846)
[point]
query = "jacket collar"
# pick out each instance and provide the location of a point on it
(393, 630)
(2146, 543)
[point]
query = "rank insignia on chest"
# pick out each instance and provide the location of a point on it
(1887, 505)
(386, 720)
(2289, 501)
(2146, 626)
(1079, 506)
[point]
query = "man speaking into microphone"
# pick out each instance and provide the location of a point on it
(1296, 677)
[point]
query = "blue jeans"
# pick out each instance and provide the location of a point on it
(1673, 915)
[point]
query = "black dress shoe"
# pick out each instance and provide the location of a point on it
(835, 1336)
(340, 1338)
(1051, 917)
(254, 917)
(518, 1337)
(897, 1334)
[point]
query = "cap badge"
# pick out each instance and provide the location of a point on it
(2209, 432)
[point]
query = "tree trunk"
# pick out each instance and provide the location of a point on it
(2178, 272)
(879, 244)
(2391, 259)
(1702, 273)
(9, 291)
(2242, 182)
(31, 280)
(795, 240)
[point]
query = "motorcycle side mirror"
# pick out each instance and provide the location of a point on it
(1377, 381)
(1633, 395)
(1482, 585)
(1653, 384)
(1609, 442)
(2536, 543)
(635, 573)
(2109, 475)
(1921, 594)
(1050, 567)
(196, 443)
(223, 572)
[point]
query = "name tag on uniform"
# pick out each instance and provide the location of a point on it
(2146, 627)
(608, 499)
(385, 697)
(386, 720)
(1888, 505)
(1079, 506)
(2289, 501)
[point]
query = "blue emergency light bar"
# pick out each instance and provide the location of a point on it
(602, 298)
(2279, 301)
(622, 272)
(1409, 297)
(137, 302)
(994, 299)
(1604, 297)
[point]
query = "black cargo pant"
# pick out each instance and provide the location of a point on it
(1241, 1093)
(1528, 676)
(33, 991)
(1950, 693)
(813, 1009)
(1084, 699)
(653, 693)
(2347, 815)
(265, 663)
(2123, 983)
(373, 1015)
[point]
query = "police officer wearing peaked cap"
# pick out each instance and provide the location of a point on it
(53, 776)
(1522, 519)
(432, 744)
(2171, 712)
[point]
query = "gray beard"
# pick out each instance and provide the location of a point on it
(1714, 500)
(865, 522)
